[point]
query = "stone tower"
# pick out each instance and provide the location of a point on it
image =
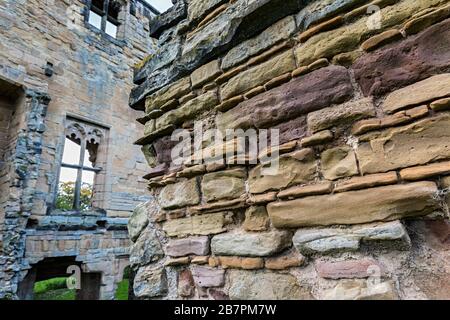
(298, 150)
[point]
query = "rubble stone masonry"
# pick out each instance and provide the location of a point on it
(358, 208)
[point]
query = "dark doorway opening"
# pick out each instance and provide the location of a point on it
(53, 273)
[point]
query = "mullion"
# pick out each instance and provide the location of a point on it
(77, 196)
(105, 16)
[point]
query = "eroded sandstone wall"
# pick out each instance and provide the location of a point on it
(358, 208)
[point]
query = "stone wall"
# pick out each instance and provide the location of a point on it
(67, 68)
(358, 207)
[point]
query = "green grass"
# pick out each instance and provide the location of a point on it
(56, 289)
(122, 290)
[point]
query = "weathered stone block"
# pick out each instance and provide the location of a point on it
(180, 194)
(189, 246)
(250, 244)
(186, 284)
(294, 168)
(205, 224)
(189, 110)
(208, 277)
(147, 249)
(288, 260)
(205, 73)
(424, 172)
(174, 91)
(414, 144)
(266, 39)
(406, 62)
(369, 181)
(354, 207)
(258, 75)
(138, 221)
(311, 92)
(199, 8)
(250, 285)
(256, 219)
(338, 163)
(424, 91)
(342, 114)
(360, 268)
(361, 290)
(150, 282)
(228, 184)
(329, 240)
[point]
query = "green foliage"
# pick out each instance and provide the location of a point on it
(51, 284)
(53, 289)
(122, 290)
(66, 194)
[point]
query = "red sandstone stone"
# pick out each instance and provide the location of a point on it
(361, 268)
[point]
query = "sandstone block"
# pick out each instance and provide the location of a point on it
(294, 168)
(147, 249)
(179, 194)
(205, 74)
(185, 284)
(288, 260)
(424, 172)
(241, 263)
(197, 9)
(250, 244)
(354, 207)
(340, 114)
(414, 144)
(251, 285)
(189, 246)
(406, 62)
(361, 290)
(266, 39)
(360, 268)
(174, 262)
(150, 282)
(311, 92)
(256, 219)
(206, 224)
(329, 240)
(416, 25)
(221, 185)
(441, 104)
(373, 180)
(258, 75)
(424, 91)
(138, 221)
(302, 191)
(317, 138)
(381, 39)
(189, 110)
(174, 91)
(206, 277)
(338, 163)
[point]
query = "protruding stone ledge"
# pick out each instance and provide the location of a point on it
(354, 207)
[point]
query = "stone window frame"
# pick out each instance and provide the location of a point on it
(120, 36)
(99, 132)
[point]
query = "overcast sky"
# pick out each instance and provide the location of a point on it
(160, 5)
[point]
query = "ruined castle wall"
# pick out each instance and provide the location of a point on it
(91, 81)
(49, 50)
(358, 206)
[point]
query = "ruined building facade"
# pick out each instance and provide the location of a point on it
(359, 94)
(65, 76)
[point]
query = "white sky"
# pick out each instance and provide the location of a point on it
(71, 155)
(160, 5)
